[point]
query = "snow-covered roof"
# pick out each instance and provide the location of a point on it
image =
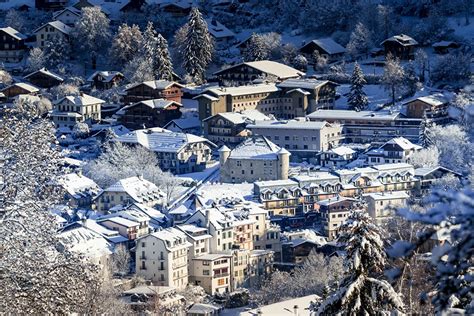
(392, 166)
(185, 123)
(217, 29)
(402, 39)
(276, 183)
(444, 44)
(155, 84)
(87, 242)
(150, 212)
(379, 196)
(78, 185)
(421, 172)
(160, 140)
(255, 147)
(242, 117)
(310, 84)
(153, 104)
(329, 45)
(342, 150)
(107, 76)
(433, 100)
(291, 124)
(173, 238)
(137, 188)
(150, 290)
(274, 68)
(203, 309)
(119, 221)
(285, 307)
(47, 73)
(23, 85)
(109, 234)
(404, 143)
(81, 100)
(334, 200)
(58, 25)
(243, 90)
(13, 33)
(73, 10)
(384, 115)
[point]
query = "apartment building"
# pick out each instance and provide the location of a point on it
(73, 109)
(396, 150)
(162, 257)
(380, 205)
(337, 157)
(334, 212)
(212, 272)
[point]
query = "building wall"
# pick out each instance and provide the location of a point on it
(142, 92)
(248, 170)
(47, 33)
(379, 209)
(11, 49)
(142, 116)
(212, 275)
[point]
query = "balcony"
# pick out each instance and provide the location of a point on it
(176, 265)
(221, 275)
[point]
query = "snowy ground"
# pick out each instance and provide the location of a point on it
(376, 94)
(199, 177)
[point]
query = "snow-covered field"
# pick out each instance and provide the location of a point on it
(376, 94)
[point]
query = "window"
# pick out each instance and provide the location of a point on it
(221, 281)
(205, 272)
(143, 244)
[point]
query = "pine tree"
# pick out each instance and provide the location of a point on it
(57, 50)
(164, 67)
(362, 291)
(198, 47)
(357, 97)
(424, 138)
(256, 48)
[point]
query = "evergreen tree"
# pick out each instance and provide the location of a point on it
(198, 47)
(164, 67)
(362, 291)
(56, 50)
(424, 138)
(357, 97)
(411, 79)
(256, 48)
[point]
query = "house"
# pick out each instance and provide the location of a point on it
(80, 108)
(44, 78)
(337, 157)
(12, 45)
(20, 88)
(300, 137)
(326, 47)
(20, 5)
(131, 214)
(203, 310)
(334, 212)
(68, 15)
(128, 191)
(177, 152)
(396, 150)
(256, 158)
(445, 47)
(245, 73)
(104, 80)
(230, 128)
(370, 126)
(380, 204)
(79, 190)
(212, 273)
(309, 94)
(180, 8)
(199, 238)
(149, 113)
(434, 107)
(155, 89)
(428, 176)
(401, 46)
(189, 125)
(162, 257)
(49, 30)
(125, 227)
(141, 297)
(222, 35)
(110, 235)
(50, 5)
(297, 306)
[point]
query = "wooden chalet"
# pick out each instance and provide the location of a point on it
(155, 89)
(44, 79)
(149, 113)
(401, 46)
(12, 45)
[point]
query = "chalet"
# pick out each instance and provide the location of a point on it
(50, 5)
(189, 125)
(51, 29)
(12, 45)
(44, 79)
(427, 176)
(104, 80)
(326, 47)
(20, 5)
(179, 8)
(337, 157)
(401, 46)
(69, 16)
(155, 89)
(247, 72)
(72, 109)
(149, 113)
(434, 106)
(396, 150)
(20, 88)
(309, 94)
(176, 152)
(221, 34)
(229, 128)
(445, 47)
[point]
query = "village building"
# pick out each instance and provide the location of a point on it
(50, 5)
(125, 227)
(334, 212)
(230, 128)
(247, 72)
(212, 272)
(255, 159)
(396, 150)
(180, 8)
(310, 94)
(128, 191)
(222, 36)
(44, 78)
(104, 80)
(433, 107)
(445, 47)
(427, 177)
(68, 15)
(176, 152)
(20, 88)
(12, 45)
(380, 205)
(162, 257)
(189, 125)
(300, 137)
(141, 297)
(155, 89)
(79, 190)
(149, 113)
(112, 236)
(370, 126)
(50, 30)
(401, 46)
(337, 157)
(326, 47)
(203, 310)
(70, 110)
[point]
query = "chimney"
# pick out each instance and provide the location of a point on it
(296, 310)
(208, 218)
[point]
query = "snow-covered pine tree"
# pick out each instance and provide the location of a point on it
(57, 50)
(411, 79)
(256, 49)
(362, 291)
(357, 98)
(424, 138)
(163, 66)
(198, 47)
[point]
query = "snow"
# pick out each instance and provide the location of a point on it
(86, 242)
(342, 150)
(185, 123)
(379, 196)
(290, 124)
(82, 100)
(154, 104)
(156, 84)
(26, 86)
(281, 308)
(120, 221)
(401, 39)
(60, 26)
(376, 94)
(106, 75)
(214, 192)
(174, 238)
(384, 115)
(13, 33)
(404, 143)
(242, 117)
(243, 90)
(78, 185)
(217, 29)
(257, 147)
(274, 68)
(45, 72)
(310, 84)
(329, 45)
(137, 188)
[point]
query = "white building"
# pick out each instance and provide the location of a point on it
(337, 157)
(50, 30)
(162, 257)
(396, 150)
(73, 109)
(380, 205)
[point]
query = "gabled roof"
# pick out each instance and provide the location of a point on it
(83, 99)
(404, 143)
(73, 10)
(255, 147)
(106, 75)
(60, 26)
(328, 45)
(401, 39)
(185, 123)
(422, 172)
(78, 185)
(342, 150)
(23, 85)
(172, 237)
(155, 84)
(137, 188)
(433, 100)
(246, 116)
(153, 104)
(46, 73)
(274, 68)
(14, 33)
(217, 29)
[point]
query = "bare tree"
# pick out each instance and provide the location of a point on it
(121, 260)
